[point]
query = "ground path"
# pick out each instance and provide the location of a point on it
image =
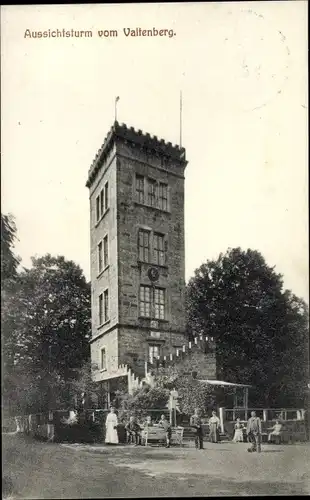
(42, 470)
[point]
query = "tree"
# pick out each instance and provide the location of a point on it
(192, 394)
(9, 275)
(48, 327)
(239, 300)
(55, 307)
(9, 261)
(83, 384)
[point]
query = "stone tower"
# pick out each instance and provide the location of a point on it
(136, 192)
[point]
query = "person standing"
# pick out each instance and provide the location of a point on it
(111, 436)
(238, 437)
(167, 428)
(196, 423)
(214, 428)
(254, 432)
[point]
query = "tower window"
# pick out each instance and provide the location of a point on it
(145, 301)
(163, 196)
(140, 188)
(152, 302)
(97, 208)
(101, 203)
(153, 352)
(159, 249)
(106, 305)
(159, 303)
(100, 309)
(144, 245)
(105, 251)
(103, 359)
(152, 191)
(106, 196)
(100, 257)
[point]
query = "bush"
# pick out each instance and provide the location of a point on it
(194, 394)
(80, 432)
(144, 399)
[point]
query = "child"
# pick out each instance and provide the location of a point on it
(167, 427)
(148, 422)
(238, 437)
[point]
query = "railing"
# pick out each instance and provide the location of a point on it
(44, 424)
(266, 414)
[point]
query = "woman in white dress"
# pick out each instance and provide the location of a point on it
(238, 437)
(111, 436)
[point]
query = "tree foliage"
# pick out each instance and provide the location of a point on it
(46, 328)
(143, 399)
(9, 261)
(192, 394)
(261, 330)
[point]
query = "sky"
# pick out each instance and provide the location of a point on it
(242, 69)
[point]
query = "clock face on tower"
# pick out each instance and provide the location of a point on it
(153, 274)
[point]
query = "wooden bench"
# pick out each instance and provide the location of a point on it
(156, 434)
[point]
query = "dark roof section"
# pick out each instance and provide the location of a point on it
(145, 141)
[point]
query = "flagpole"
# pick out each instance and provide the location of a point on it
(115, 108)
(181, 118)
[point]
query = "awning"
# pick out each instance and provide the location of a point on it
(222, 383)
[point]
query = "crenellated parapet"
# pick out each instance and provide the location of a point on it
(136, 138)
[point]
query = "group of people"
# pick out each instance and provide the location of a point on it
(253, 430)
(214, 429)
(134, 429)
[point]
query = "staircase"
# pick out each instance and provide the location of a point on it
(169, 359)
(166, 360)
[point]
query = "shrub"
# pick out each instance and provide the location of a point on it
(144, 399)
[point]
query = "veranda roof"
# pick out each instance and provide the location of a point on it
(222, 383)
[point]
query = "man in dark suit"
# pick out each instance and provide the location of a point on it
(196, 423)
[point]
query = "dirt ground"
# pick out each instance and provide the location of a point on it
(33, 469)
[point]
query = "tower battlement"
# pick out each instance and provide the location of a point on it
(137, 138)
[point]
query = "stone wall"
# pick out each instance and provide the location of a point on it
(108, 278)
(199, 359)
(131, 217)
(109, 341)
(134, 342)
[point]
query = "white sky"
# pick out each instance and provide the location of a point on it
(243, 71)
